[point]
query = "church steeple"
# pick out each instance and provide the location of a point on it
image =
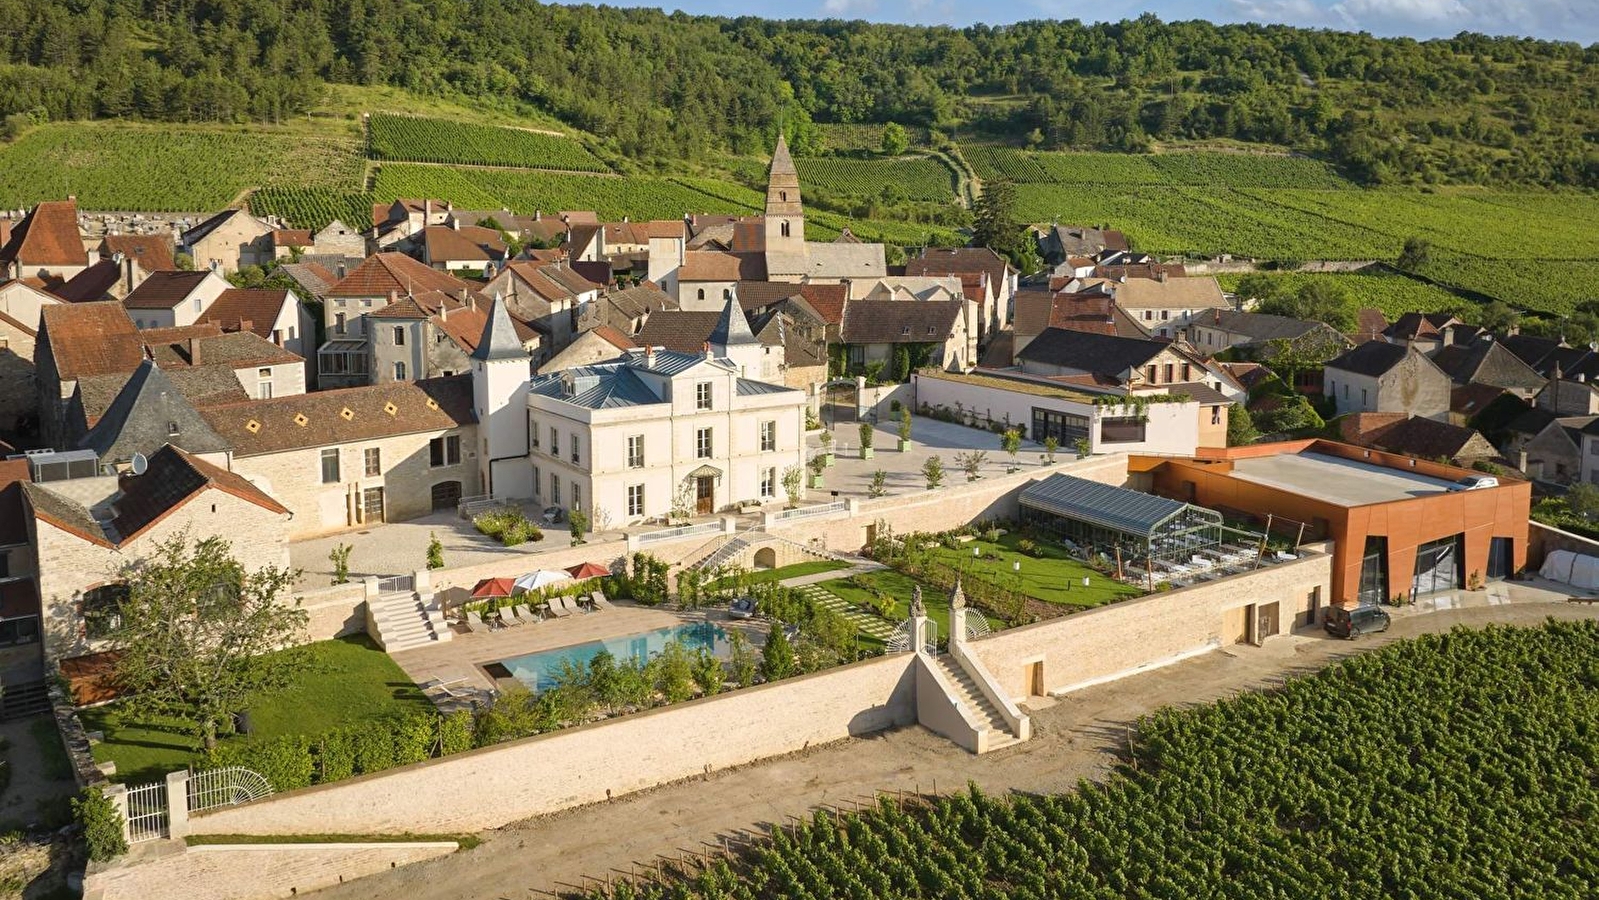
(785, 216)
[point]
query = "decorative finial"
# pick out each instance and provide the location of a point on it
(917, 608)
(957, 597)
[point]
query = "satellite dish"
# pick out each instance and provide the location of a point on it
(140, 464)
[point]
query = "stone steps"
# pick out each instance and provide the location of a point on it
(967, 692)
(22, 699)
(404, 623)
(869, 623)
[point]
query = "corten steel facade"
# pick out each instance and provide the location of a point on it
(1405, 521)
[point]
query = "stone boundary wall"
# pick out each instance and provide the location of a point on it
(252, 871)
(590, 763)
(1119, 639)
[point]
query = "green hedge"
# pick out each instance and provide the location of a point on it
(296, 761)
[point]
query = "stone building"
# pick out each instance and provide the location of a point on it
(431, 335)
(1382, 377)
(45, 245)
(276, 315)
(344, 359)
(356, 457)
(551, 297)
(174, 299)
(229, 241)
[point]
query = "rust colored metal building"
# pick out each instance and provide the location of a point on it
(1397, 527)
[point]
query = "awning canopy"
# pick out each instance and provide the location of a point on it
(1115, 508)
(704, 471)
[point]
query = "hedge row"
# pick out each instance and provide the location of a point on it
(296, 761)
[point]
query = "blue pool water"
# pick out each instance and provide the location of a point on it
(539, 670)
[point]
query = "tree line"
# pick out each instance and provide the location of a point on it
(656, 87)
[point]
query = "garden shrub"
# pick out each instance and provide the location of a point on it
(374, 749)
(455, 733)
(335, 757)
(1027, 546)
(414, 738)
(285, 762)
(101, 823)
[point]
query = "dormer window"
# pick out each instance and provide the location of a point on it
(172, 429)
(904, 329)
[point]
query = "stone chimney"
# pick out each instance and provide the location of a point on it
(194, 351)
(427, 211)
(708, 353)
(1160, 275)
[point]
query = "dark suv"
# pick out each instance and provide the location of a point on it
(1352, 623)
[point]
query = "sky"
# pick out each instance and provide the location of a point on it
(1568, 20)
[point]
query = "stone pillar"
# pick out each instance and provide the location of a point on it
(118, 794)
(729, 524)
(919, 622)
(178, 804)
(957, 615)
(860, 396)
(370, 583)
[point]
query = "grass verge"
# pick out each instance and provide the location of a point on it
(467, 841)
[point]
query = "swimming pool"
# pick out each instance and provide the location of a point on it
(539, 670)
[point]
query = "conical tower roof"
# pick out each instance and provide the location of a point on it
(782, 163)
(732, 327)
(499, 340)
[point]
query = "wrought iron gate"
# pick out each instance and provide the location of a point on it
(147, 812)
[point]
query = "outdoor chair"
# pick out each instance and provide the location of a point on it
(446, 688)
(508, 616)
(600, 602)
(474, 621)
(558, 609)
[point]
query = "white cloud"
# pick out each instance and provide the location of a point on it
(1555, 19)
(1357, 12)
(848, 8)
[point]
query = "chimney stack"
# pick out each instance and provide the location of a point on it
(194, 351)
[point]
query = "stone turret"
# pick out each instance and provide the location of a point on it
(500, 372)
(785, 215)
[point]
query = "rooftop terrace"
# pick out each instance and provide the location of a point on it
(1345, 482)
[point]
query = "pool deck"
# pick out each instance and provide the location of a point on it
(465, 654)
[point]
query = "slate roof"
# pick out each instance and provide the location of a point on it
(605, 386)
(164, 290)
(732, 328)
(1372, 359)
(383, 273)
(1530, 348)
(1077, 240)
(260, 308)
(316, 419)
(900, 321)
(1257, 327)
(1200, 392)
(1115, 508)
(173, 479)
(746, 387)
(670, 362)
(153, 252)
(1486, 362)
(46, 236)
(149, 412)
(91, 338)
(498, 339)
(1101, 353)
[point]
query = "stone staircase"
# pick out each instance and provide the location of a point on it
(401, 621)
(729, 549)
(18, 700)
(868, 622)
(982, 713)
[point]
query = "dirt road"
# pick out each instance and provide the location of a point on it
(1073, 739)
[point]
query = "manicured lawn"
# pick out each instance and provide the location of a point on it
(1049, 575)
(860, 589)
(805, 568)
(348, 680)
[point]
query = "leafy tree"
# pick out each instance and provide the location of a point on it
(1259, 286)
(866, 432)
(674, 672)
(793, 479)
(971, 462)
(1415, 254)
(1051, 444)
(879, 484)
(1498, 317)
(1240, 426)
(1316, 301)
(199, 635)
(709, 673)
(578, 523)
(995, 225)
(435, 552)
(340, 557)
(1583, 499)
(1083, 447)
(740, 658)
(895, 140)
(777, 657)
(933, 472)
(1011, 443)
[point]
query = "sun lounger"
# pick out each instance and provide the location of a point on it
(474, 621)
(558, 608)
(447, 688)
(601, 603)
(508, 616)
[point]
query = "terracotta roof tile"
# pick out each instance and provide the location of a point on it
(317, 420)
(91, 284)
(614, 337)
(292, 237)
(715, 265)
(260, 308)
(47, 236)
(152, 251)
(91, 339)
(383, 273)
(164, 290)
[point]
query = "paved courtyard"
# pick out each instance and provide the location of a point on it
(851, 476)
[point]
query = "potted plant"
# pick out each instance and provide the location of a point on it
(904, 428)
(817, 467)
(827, 447)
(866, 440)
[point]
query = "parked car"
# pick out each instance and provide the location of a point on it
(1352, 623)
(553, 515)
(1475, 483)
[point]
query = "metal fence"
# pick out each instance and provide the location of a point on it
(808, 512)
(226, 787)
(147, 812)
(682, 531)
(397, 584)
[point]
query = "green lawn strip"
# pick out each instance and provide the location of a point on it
(349, 680)
(56, 764)
(860, 588)
(797, 570)
(467, 841)
(867, 622)
(1050, 574)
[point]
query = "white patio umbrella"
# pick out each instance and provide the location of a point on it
(532, 581)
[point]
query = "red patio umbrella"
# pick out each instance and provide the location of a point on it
(587, 570)
(492, 587)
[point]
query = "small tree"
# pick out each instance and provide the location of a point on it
(827, 442)
(1051, 444)
(1583, 500)
(199, 634)
(879, 485)
(933, 472)
(866, 430)
(904, 426)
(340, 557)
(971, 462)
(1083, 447)
(1240, 426)
(101, 824)
(817, 465)
(578, 523)
(1415, 254)
(895, 140)
(777, 658)
(740, 658)
(435, 552)
(1011, 442)
(793, 480)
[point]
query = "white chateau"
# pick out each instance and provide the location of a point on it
(637, 437)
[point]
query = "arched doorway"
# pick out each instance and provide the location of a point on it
(446, 494)
(766, 558)
(840, 402)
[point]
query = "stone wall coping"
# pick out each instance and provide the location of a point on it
(340, 845)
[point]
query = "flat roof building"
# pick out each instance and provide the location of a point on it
(1398, 528)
